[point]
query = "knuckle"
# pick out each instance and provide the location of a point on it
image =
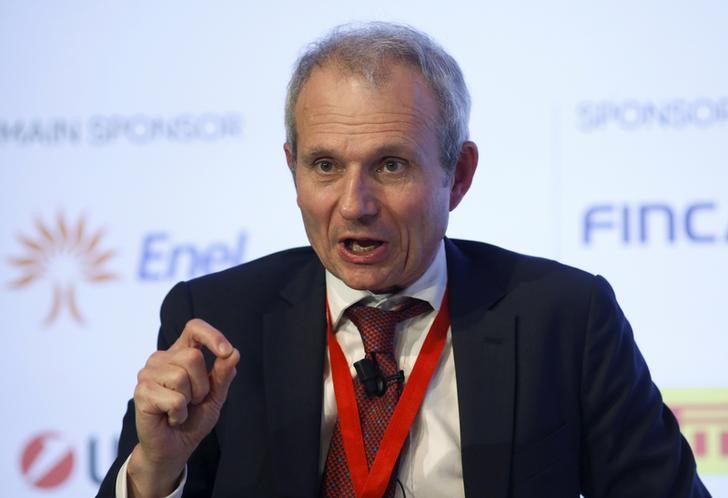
(141, 391)
(156, 358)
(193, 324)
(235, 356)
(200, 391)
(191, 356)
(142, 375)
(178, 402)
(177, 379)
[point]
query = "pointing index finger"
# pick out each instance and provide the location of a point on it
(199, 333)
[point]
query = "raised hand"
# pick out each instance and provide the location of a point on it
(177, 404)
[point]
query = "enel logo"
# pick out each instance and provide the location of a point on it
(164, 259)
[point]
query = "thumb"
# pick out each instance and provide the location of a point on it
(221, 376)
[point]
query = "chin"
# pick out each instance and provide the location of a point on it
(365, 282)
(359, 283)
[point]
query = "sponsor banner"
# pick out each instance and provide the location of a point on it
(53, 462)
(635, 114)
(640, 202)
(77, 289)
(46, 461)
(56, 255)
(163, 258)
(62, 255)
(623, 224)
(703, 418)
(135, 129)
(132, 162)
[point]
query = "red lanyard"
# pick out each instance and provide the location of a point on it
(373, 483)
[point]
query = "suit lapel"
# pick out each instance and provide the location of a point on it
(293, 350)
(484, 348)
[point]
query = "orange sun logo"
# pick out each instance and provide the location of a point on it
(64, 256)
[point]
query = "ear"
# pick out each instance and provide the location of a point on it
(464, 172)
(290, 159)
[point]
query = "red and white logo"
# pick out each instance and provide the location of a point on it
(47, 461)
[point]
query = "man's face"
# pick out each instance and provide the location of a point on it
(374, 196)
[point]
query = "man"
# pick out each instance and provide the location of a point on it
(534, 387)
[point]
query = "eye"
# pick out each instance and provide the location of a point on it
(392, 166)
(324, 166)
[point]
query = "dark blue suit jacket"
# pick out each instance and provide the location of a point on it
(554, 397)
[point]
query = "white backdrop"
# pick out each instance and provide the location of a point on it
(141, 144)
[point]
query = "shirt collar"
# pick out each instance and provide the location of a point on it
(429, 287)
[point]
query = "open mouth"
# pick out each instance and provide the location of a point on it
(360, 246)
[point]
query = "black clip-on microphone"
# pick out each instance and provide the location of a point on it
(369, 376)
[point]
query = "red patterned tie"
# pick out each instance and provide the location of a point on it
(376, 327)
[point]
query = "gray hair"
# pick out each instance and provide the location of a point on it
(366, 50)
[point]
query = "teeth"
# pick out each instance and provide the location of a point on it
(357, 246)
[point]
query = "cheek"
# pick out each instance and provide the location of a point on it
(315, 214)
(312, 222)
(415, 219)
(430, 217)
(300, 193)
(304, 198)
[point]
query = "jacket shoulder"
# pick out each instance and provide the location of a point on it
(268, 272)
(251, 286)
(511, 268)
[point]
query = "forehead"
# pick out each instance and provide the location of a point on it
(338, 103)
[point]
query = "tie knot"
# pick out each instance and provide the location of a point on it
(376, 325)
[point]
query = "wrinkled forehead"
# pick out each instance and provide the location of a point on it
(341, 114)
(343, 93)
(375, 72)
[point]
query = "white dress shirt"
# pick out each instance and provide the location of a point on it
(430, 463)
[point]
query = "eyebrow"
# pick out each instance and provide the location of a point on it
(395, 149)
(308, 155)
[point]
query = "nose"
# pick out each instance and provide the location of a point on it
(358, 200)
